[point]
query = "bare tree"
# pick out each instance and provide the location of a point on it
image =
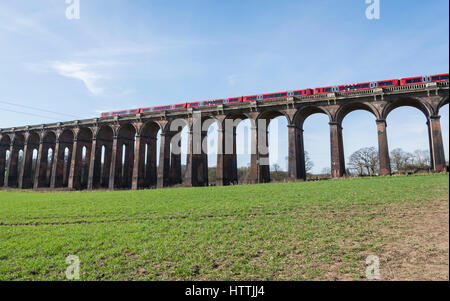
(276, 167)
(400, 160)
(326, 171)
(308, 163)
(365, 161)
(421, 159)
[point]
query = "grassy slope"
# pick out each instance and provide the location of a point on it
(291, 231)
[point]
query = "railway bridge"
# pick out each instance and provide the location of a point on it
(121, 152)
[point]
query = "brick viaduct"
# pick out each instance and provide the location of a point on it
(137, 167)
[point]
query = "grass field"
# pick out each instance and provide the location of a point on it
(294, 231)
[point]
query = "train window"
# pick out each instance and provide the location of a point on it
(233, 100)
(439, 77)
(275, 95)
(384, 84)
(251, 98)
(298, 93)
(414, 80)
(326, 90)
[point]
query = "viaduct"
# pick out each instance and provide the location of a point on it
(120, 152)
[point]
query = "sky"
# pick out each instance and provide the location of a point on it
(125, 54)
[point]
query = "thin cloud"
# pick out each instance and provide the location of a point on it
(87, 73)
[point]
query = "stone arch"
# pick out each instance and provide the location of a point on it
(64, 158)
(408, 102)
(443, 102)
(228, 174)
(272, 114)
(304, 112)
(211, 127)
(346, 109)
(79, 167)
(147, 168)
(428, 113)
(45, 159)
(126, 136)
(18, 143)
(297, 154)
(102, 157)
(26, 178)
(84, 134)
(264, 145)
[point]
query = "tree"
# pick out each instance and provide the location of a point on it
(276, 167)
(400, 160)
(365, 161)
(326, 171)
(421, 159)
(308, 163)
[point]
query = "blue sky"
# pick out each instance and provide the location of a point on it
(124, 54)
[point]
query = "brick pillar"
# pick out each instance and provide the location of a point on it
(11, 173)
(75, 166)
(118, 175)
(40, 174)
(56, 159)
(264, 163)
(139, 163)
(58, 166)
(164, 161)
(437, 154)
(220, 158)
(2, 165)
(230, 157)
(106, 165)
(112, 171)
(68, 167)
(188, 177)
(202, 171)
(151, 172)
(175, 169)
(337, 151)
(129, 163)
(25, 169)
(296, 159)
(93, 163)
(254, 158)
(383, 149)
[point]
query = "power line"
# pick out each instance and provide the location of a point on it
(26, 113)
(37, 109)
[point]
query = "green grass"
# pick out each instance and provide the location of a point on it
(291, 231)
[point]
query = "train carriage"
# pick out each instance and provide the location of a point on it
(414, 80)
(323, 90)
(355, 87)
(439, 77)
(302, 92)
(180, 106)
(387, 83)
(193, 105)
(163, 108)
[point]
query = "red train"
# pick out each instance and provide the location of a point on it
(279, 95)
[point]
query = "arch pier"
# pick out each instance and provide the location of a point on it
(121, 152)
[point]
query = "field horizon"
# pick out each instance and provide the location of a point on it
(317, 230)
